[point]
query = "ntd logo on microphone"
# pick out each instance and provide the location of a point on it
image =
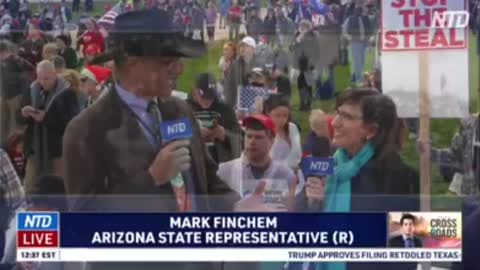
(316, 166)
(37, 229)
(176, 130)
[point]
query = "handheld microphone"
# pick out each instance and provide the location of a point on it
(319, 164)
(320, 147)
(180, 129)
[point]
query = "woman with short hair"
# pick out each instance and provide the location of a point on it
(367, 163)
(369, 173)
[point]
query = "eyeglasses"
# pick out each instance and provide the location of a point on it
(347, 116)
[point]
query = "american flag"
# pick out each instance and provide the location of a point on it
(247, 96)
(108, 19)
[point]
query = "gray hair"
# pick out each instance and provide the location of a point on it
(49, 47)
(59, 62)
(45, 65)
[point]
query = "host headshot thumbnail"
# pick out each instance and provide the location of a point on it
(407, 239)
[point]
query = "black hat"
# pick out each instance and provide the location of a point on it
(150, 33)
(207, 85)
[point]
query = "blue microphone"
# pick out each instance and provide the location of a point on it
(319, 164)
(180, 129)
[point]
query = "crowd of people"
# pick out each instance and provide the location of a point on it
(80, 113)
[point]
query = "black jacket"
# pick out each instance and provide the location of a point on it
(386, 184)
(231, 147)
(60, 108)
(382, 185)
(14, 77)
(70, 57)
(471, 243)
(399, 242)
(269, 24)
(353, 26)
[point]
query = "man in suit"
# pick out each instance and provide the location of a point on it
(114, 146)
(407, 239)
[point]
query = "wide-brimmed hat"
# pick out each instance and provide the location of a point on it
(149, 33)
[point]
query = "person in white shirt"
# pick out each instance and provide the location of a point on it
(255, 164)
(287, 146)
(255, 167)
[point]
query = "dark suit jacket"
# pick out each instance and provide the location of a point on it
(59, 110)
(16, 72)
(70, 57)
(106, 160)
(471, 243)
(107, 153)
(398, 242)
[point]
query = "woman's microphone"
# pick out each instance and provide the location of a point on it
(318, 165)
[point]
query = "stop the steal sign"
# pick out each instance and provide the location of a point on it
(424, 24)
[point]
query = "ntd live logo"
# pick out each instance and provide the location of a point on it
(37, 229)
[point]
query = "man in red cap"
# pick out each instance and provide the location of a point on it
(90, 52)
(255, 164)
(92, 80)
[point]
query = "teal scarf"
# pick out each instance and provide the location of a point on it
(339, 188)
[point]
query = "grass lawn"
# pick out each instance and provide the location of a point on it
(98, 8)
(442, 129)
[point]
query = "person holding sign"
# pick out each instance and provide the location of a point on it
(462, 157)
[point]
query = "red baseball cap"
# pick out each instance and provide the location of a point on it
(265, 120)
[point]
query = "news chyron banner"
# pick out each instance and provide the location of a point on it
(439, 29)
(316, 237)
